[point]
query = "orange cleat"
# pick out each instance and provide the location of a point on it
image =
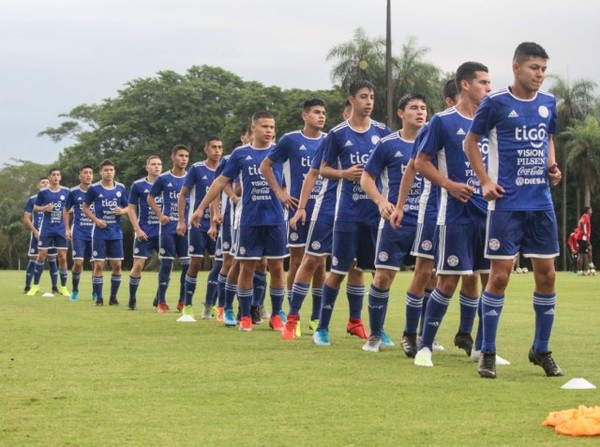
(276, 323)
(356, 327)
(289, 330)
(246, 324)
(220, 314)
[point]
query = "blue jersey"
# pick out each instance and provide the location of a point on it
(52, 221)
(346, 147)
(518, 151)
(259, 204)
(147, 219)
(444, 138)
(105, 200)
(428, 207)
(36, 216)
(388, 161)
(168, 187)
(198, 180)
(295, 152)
(324, 208)
(81, 227)
(226, 205)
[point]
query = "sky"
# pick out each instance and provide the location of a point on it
(57, 55)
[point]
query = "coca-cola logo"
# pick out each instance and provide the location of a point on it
(536, 170)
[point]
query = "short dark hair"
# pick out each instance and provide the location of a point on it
(51, 170)
(86, 167)
(179, 147)
(450, 89)
(212, 138)
(43, 178)
(359, 84)
(106, 162)
(262, 114)
(152, 157)
(586, 209)
(466, 72)
(525, 50)
(402, 102)
(310, 103)
(246, 128)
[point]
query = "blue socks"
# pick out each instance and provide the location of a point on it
(115, 283)
(245, 298)
(491, 308)
(134, 283)
(327, 304)
(164, 274)
(299, 292)
(543, 305)
(276, 299)
(190, 289)
(221, 281)
(414, 305)
(317, 296)
(378, 301)
(355, 300)
(230, 291)
(436, 309)
(259, 286)
(468, 311)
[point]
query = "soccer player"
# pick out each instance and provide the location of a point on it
(388, 162)
(165, 190)
(461, 210)
(262, 225)
(81, 227)
(105, 204)
(145, 224)
(521, 168)
(583, 237)
(295, 151)
(53, 230)
(348, 146)
(32, 221)
(573, 249)
(197, 181)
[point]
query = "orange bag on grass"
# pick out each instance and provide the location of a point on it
(583, 421)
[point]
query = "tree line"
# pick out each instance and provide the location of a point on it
(150, 115)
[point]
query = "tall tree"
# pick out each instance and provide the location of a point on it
(584, 154)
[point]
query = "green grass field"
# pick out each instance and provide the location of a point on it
(73, 374)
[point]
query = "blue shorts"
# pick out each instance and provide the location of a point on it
(533, 233)
(297, 238)
(107, 249)
(460, 249)
(81, 249)
(425, 241)
(353, 241)
(143, 249)
(52, 241)
(226, 236)
(198, 242)
(33, 248)
(319, 237)
(171, 245)
(267, 240)
(393, 247)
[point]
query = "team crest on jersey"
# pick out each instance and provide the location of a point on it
(543, 111)
(226, 245)
(118, 194)
(452, 261)
(315, 245)
(293, 236)
(62, 197)
(375, 139)
(383, 256)
(334, 261)
(426, 245)
(494, 244)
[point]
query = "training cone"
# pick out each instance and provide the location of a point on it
(48, 295)
(186, 319)
(578, 384)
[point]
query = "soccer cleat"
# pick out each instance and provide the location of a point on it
(34, 290)
(246, 324)
(276, 323)
(131, 305)
(180, 305)
(373, 344)
(313, 325)
(290, 328)
(162, 308)
(283, 316)
(386, 340)
(255, 315)
(155, 301)
(74, 295)
(321, 337)
(423, 357)
(298, 330)
(55, 290)
(99, 302)
(475, 354)
(356, 327)
(187, 315)
(463, 340)
(206, 312)
(112, 301)
(26, 289)
(409, 345)
(229, 318)
(487, 365)
(264, 313)
(437, 347)
(546, 361)
(213, 312)
(220, 312)
(94, 296)
(64, 292)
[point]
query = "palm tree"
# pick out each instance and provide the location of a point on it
(584, 153)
